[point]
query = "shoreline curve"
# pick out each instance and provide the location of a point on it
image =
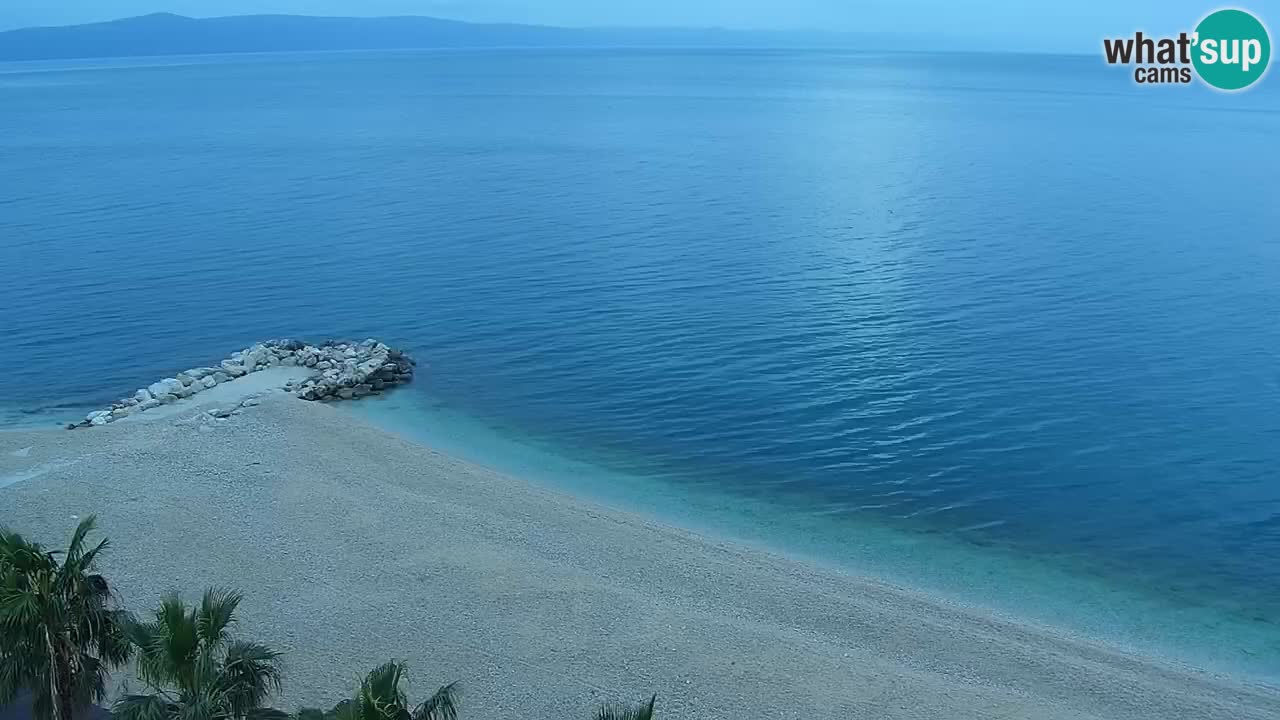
(352, 543)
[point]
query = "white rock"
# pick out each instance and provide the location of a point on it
(254, 355)
(233, 368)
(166, 386)
(142, 395)
(100, 419)
(209, 381)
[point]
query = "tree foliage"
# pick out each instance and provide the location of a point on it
(644, 711)
(61, 630)
(380, 697)
(194, 667)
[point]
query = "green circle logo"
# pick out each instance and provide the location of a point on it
(1232, 49)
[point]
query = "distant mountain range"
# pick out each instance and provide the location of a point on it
(167, 34)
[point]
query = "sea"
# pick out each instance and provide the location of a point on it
(1000, 328)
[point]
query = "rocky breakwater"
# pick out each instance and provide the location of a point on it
(345, 371)
(337, 371)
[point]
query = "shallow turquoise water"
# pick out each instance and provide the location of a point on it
(1005, 328)
(1001, 579)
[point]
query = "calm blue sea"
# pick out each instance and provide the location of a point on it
(1005, 327)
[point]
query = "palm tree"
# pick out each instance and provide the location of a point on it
(196, 669)
(60, 627)
(643, 711)
(380, 698)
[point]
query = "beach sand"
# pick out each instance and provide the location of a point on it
(354, 546)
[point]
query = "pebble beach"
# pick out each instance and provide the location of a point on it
(354, 545)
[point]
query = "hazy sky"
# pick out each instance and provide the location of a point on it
(1018, 24)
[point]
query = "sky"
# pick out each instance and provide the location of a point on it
(1051, 25)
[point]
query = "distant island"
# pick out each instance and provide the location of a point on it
(169, 34)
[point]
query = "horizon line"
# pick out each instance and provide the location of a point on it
(813, 32)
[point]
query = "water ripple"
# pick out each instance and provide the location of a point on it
(923, 293)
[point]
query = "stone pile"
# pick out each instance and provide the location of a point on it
(339, 371)
(347, 370)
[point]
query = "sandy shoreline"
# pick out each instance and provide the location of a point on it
(354, 546)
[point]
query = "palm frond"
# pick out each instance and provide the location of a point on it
(13, 677)
(345, 710)
(442, 705)
(112, 643)
(20, 606)
(380, 696)
(90, 685)
(142, 707)
(16, 552)
(176, 643)
(83, 562)
(188, 652)
(153, 660)
(23, 665)
(75, 548)
(217, 612)
(383, 682)
(250, 673)
(10, 540)
(639, 712)
(59, 630)
(204, 706)
(205, 677)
